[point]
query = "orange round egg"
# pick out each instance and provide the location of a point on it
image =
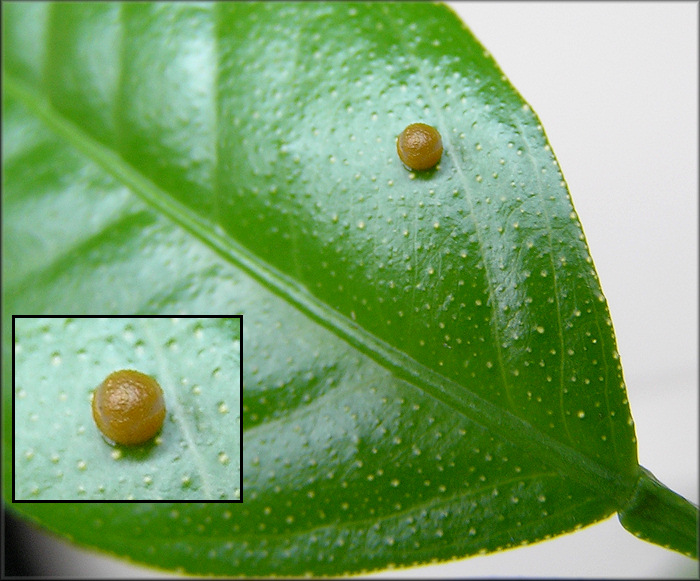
(128, 407)
(419, 146)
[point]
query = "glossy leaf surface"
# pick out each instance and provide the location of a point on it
(59, 452)
(430, 367)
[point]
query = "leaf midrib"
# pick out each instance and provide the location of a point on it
(567, 461)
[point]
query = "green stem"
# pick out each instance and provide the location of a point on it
(661, 516)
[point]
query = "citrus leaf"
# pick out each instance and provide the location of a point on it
(430, 366)
(58, 452)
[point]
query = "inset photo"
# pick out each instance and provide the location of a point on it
(120, 409)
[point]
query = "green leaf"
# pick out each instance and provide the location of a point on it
(58, 452)
(430, 368)
(661, 516)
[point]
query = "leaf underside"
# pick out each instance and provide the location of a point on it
(430, 369)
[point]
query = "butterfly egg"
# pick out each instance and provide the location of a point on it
(128, 407)
(419, 146)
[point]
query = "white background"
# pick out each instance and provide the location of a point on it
(616, 88)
